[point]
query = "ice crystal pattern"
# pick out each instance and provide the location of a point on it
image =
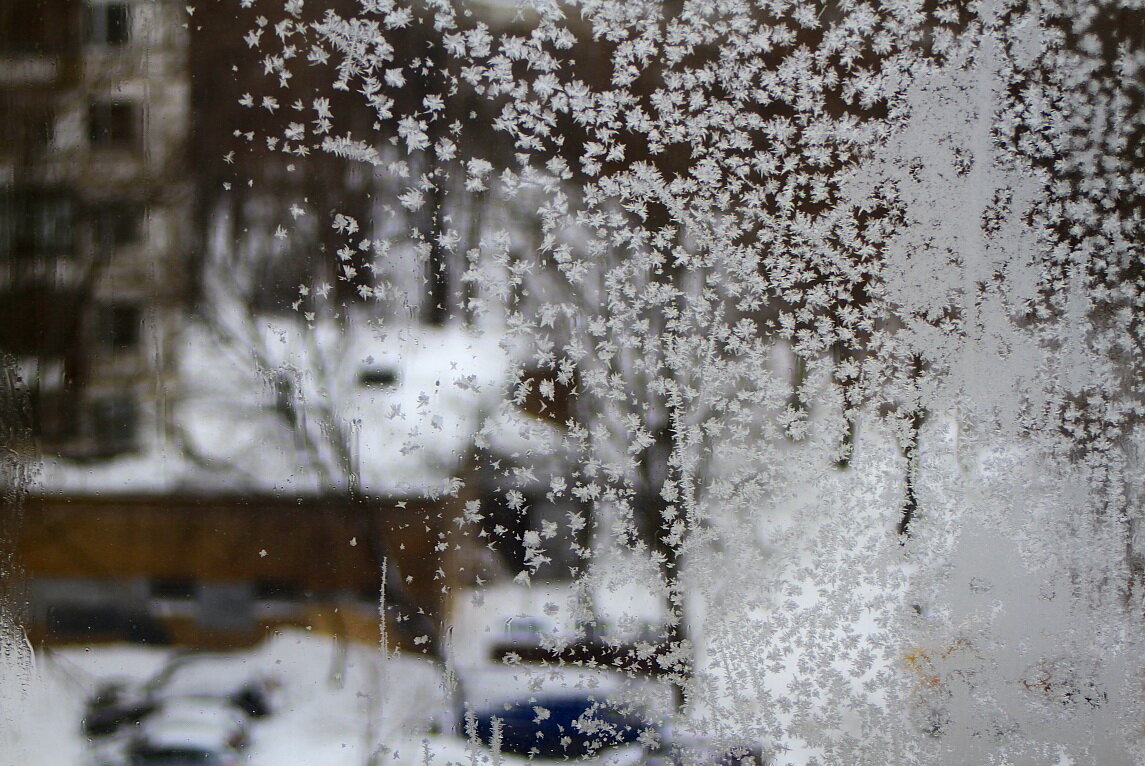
(850, 295)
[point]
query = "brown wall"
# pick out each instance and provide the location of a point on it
(307, 542)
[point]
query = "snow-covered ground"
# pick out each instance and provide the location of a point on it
(807, 590)
(332, 710)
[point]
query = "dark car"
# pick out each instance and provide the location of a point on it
(557, 727)
(551, 713)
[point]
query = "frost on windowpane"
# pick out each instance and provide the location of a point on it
(822, 322)
(777, 362)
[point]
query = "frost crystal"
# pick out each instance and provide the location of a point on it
(829, 315)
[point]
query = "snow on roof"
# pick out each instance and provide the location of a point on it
(150, 472)
(279, 406)
(511, 434)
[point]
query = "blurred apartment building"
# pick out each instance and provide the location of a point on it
(95, 206)
(94, 203)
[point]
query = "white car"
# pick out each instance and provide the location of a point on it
(219, 676)
(190, 731)
(208, 719)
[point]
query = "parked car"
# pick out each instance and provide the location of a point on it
(210, 676)
(570, 725)
(213, 718)
(190, 731)
(217, 676)
(566, 716)
(189, 682)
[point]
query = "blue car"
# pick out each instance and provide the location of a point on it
(550, 715)
(569, 726)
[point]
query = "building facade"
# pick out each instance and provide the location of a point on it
(94, 208)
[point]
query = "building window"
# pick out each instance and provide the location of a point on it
(26, 123)
(118, 325)
(55, 417)
(36, 28)
(114, 423)
(38, 320)
(51, 223)
(377, 377)
(547, 395)
(9, 224)
(107, 24)
(115, 224)
(173, 589)
(284, 398)
(281, 590)
(36, 222)
(533, 535)
(226, 605)
(72, 622)
(112, 124)
(85, 430)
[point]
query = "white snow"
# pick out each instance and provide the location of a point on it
(331, 714)
(227, 435)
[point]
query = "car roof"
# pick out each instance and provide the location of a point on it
(202, 674)
(197, 707)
